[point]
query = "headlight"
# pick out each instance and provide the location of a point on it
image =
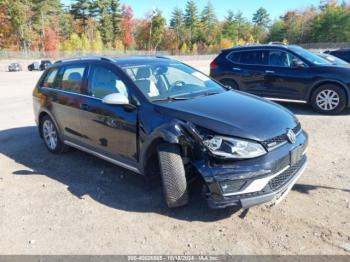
(233, 148)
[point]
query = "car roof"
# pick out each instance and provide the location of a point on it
(260, 46)
(139, 60)
(121, 61)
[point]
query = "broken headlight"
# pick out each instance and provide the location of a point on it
(233, 148)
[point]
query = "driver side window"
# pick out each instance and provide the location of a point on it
(105, 82)
(281, 58)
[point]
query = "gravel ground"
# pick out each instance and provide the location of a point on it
(78, 204)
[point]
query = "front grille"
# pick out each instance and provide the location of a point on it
(276, 141)
(283, 178)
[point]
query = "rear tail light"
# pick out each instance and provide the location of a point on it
(213, 65)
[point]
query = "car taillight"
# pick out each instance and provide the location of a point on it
(213, 65)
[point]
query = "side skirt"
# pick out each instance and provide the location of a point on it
(111, 160)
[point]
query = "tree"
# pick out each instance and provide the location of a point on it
(106, 24)
(127, 25)
(209, 24)
(277, 31)
(6, 38)
(82, 10)
(20, 17)
(97, 44)
(157, 30)
(230, 27)
(116, 16)
(177, 24)
(85, 43)
(45, 15)
(73, 43)
(191, 21)
(51, 40)
(261, 19)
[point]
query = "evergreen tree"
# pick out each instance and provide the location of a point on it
(105, 19)
(261, 17)
(82, 10)
(177, 24)
(116, 18)
(209, 24)
(191, 20)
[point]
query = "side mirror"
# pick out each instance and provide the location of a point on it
(115, 99)
(297, 64)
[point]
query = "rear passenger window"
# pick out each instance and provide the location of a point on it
(72, 79)
(49, 79)
(249, 57)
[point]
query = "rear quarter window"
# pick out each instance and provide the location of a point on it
(49, 80)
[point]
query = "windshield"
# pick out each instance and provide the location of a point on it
(171, 80)
(309, 56)
(334, 60)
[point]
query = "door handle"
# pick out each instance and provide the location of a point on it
(236, 69)
(84, 107)
(269, 72)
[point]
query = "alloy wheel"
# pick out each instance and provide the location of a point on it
(327, 100)
(50, 134)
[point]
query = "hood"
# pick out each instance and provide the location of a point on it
(233, 113)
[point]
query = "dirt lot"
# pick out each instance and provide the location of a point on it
(78, 204)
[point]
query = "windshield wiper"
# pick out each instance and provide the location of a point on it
(170, 98)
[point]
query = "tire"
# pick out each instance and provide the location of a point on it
(47, 125)
(230, 83)
(173, 175)
(337, 101)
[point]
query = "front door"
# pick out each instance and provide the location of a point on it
(109, 129)
(283, 79)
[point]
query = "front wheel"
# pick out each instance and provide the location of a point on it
(173, 175)
(329, 99)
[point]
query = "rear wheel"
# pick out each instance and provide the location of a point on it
(173, 175)
(51, 136)
(329, 99)
(229, 83)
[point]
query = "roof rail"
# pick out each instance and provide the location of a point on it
(85, 58)
(276, 43)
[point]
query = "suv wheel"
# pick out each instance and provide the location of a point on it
(229, 83)
(329, 99)
(173, 175)
(51, 136)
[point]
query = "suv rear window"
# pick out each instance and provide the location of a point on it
(50, 77)
(248, 57)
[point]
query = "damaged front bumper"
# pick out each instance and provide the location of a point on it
(251, 182)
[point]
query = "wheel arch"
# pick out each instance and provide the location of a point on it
(41, 116)
(175, 132)
(329, 81)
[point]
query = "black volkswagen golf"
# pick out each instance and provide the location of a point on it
(154, 115)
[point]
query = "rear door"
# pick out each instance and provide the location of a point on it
(282, 79)
(248, 70)
(64, 98)
(109, 129)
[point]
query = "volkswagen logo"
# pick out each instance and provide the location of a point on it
(292, 138)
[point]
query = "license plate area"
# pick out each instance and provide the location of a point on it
(295, 155)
